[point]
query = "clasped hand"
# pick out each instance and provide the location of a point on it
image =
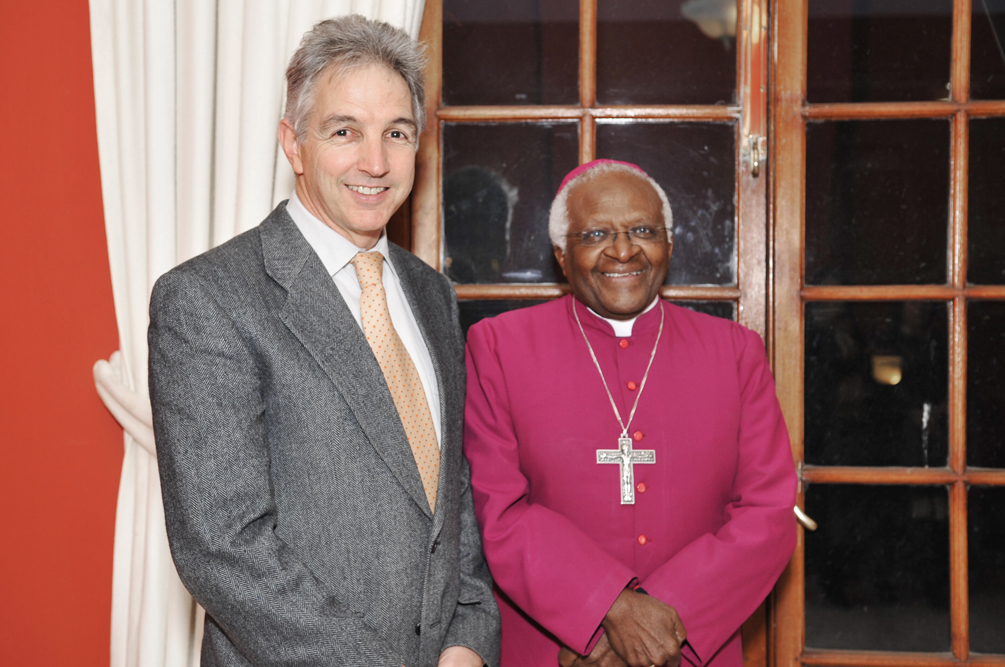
(639, 631)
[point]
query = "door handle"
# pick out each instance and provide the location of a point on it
(806, 521)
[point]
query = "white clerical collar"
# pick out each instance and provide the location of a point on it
(334, 249)
(623, 328)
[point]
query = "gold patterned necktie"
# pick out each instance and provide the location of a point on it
(399, 371)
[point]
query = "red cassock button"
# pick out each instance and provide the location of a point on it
(643, 539)
(632, 386)
(641, 486)
(624, 343)
(637, 435)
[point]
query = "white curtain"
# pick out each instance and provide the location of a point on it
(188, 96)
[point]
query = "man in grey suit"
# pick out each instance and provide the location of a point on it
(318, 504)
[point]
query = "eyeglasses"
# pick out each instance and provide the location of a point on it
(592, 238)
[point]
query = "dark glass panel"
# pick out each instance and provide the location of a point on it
(666, 51)
(987, 50)
(498, 183)
(986, 384)
(986, 550)
(472, 312)
(986, 202)
(877, 568)
(693, 162)
(876, 383)
(510, 52)
(724, 309)
(889, 51)
(877, 202)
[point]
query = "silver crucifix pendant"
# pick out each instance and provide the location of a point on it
(626, 457)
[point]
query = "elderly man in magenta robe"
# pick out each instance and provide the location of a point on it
(630, 465)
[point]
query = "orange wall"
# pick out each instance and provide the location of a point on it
(60, 450)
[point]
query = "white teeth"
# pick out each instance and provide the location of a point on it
(622, 275)
(363, 190)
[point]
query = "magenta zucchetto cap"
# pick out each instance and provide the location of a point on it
(583, 168)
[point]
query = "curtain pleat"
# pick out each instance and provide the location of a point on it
(188, 97)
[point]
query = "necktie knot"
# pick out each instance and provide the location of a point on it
(368, 268)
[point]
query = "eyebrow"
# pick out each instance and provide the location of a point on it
(336, 119)
(339, 119)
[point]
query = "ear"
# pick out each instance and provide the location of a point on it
(291, 146)
(669, 247)
(560, 258)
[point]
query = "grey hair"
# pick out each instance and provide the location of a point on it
(344, 44)
(558, 218)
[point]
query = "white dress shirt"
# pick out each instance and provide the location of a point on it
(336, 253)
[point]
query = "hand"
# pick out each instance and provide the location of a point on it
(460, 656)
(644, 631)
(602, 655)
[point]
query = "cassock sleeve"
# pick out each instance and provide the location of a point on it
(530, 548)
(718, 580)
(213, 453)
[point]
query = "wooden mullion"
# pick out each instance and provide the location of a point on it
(901, 292)
(958, 561)
(699, 112)
(985, 108)
(902, 110)
(554, 290)
(879, 293)
(787, 140)
(694, 112)
(587, 138)
(508, 113)
(878, 475)
(960, 68)
(959, 592)
(958, 208)
(822, 658)
(587, 53)
(587, 79)
(901, 476)
(880, 110)
(426, 241)
(985, 477)
(990, 292)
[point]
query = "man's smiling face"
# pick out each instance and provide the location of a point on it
(616, 280)
(356, 163)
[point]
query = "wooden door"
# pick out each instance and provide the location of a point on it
(888, 325)
(521, 91)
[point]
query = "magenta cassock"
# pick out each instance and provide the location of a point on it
(712, 526)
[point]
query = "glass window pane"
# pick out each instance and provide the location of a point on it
(986, 384)
(877, 568)
(890, 51)
(986, 548)
(986, 202)
(724, 309)
(693, 162)
(510, 52)
(877, 202)
(498, 183)
(987, 50)
(876, 383)
(666, 51)
(475, 311)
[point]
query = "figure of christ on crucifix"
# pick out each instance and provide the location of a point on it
(626, 457)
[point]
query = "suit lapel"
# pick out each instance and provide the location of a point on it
(317, 315)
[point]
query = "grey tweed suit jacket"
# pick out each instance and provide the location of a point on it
(295, 512)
